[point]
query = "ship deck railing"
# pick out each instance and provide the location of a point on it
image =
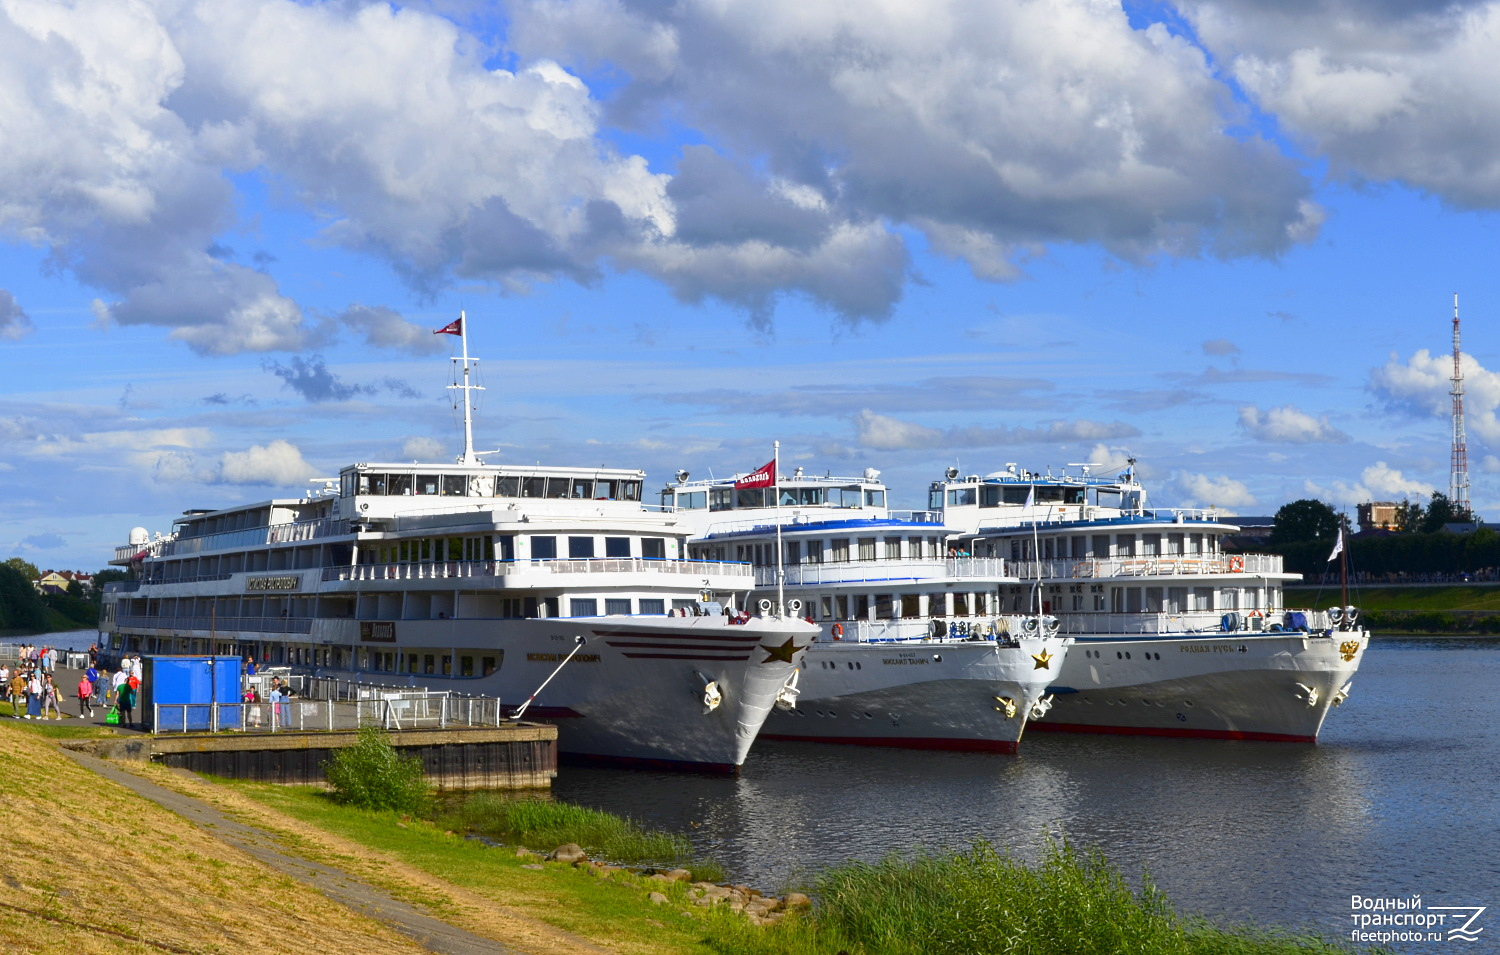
(393, 711)
(886, 571)
(1187, 622)
(499, 568)
(291, 533)
(1169, 565)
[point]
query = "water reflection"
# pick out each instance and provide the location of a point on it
(1397, 799)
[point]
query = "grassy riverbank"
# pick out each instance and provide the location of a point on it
(110, 871)
(973, 902)
(1448, 609)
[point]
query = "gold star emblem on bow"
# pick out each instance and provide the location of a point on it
(782, 653)
(1043, 660)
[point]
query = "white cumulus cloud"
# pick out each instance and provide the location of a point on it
(276, 463)
(1288, 425)
(1220, 491)
(1378, 482)
(1421, 385)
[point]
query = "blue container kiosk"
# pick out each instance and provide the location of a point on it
(185, 686)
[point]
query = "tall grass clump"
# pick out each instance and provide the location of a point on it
(372, 775)
(983, 902)
(540, 824)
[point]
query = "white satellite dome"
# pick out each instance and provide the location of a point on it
(139, 535)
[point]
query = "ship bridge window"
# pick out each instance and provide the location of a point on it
(809, 496)
(398, 484)
(616, 547)
(1105, 497)
(580, 548)
(543, 547)
(427, 483)
(629, 491)
(347, 484)
(654, 548)
(749, 497)
(1131, 500)
(557, 488)
(874, 498)
(961, 497)
(692, 500)
(507, 486)
(533, 487)
(583, 489)
(455, 485)
(935, 498)
(721, 499)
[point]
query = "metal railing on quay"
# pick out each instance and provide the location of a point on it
(394, 712)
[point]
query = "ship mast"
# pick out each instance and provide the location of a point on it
(468, 457)
(1458, 484)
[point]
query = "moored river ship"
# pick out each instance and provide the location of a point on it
(1174, 635)
(911, 650)
(483, 580)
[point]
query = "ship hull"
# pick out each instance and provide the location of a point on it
(949, 696)
(633, 694)
(1274, 687)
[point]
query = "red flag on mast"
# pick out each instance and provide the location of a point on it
(764, 476)
(455, 327)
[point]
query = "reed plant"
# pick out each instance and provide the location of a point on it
(543, 824)
(984, 902)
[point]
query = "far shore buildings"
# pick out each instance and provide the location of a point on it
(57, 581)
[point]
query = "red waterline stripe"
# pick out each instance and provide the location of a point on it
(1047, 726)
(686, 656)
(904, 742)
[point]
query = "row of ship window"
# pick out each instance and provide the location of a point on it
(730, 498)
(490, 485)
(503, 547)
(837, 550)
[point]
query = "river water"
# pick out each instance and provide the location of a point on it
(1400, 797)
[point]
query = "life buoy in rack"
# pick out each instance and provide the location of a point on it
(1236, 565)
(838, 631)
(1256, 614)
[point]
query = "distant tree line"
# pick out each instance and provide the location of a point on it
(1305, 532)
(23, 608)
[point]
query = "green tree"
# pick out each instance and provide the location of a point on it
(1443, 511)
(1304, 520)
(21, 606)
(1408, 517)
(26, 568)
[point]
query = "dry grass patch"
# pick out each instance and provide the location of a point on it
(92, 867)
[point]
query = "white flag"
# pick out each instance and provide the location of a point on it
(1338, 547)
(1031, 497)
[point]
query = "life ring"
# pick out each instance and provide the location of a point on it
(1256, 613)
(838, 631)
(1236, 565)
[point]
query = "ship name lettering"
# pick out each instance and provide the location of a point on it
(903, 661)
(559, 657)
(289, 582)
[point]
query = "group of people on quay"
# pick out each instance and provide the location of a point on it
(30, 686)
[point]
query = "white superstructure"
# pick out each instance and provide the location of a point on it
(913, 649)
(479, 579)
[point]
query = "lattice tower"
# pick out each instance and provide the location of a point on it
(1458, 483)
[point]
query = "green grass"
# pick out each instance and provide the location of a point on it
(545, 825)
(1445, 597)
(569, 898)
(983, 902)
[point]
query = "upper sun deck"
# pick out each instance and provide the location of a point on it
(716, 505)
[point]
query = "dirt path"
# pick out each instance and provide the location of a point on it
(338, 885)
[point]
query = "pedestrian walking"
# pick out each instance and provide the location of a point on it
(50, 699)
(17, 693)
(85, 696)
(125, 701)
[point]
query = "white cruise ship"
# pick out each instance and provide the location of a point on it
(483, 580)
(913, 649)
(1173, 635)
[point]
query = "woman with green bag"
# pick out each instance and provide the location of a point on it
(125, 701)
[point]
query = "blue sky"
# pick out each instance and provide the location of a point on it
(1222, 237)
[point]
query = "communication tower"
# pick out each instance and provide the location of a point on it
(1458, 483)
